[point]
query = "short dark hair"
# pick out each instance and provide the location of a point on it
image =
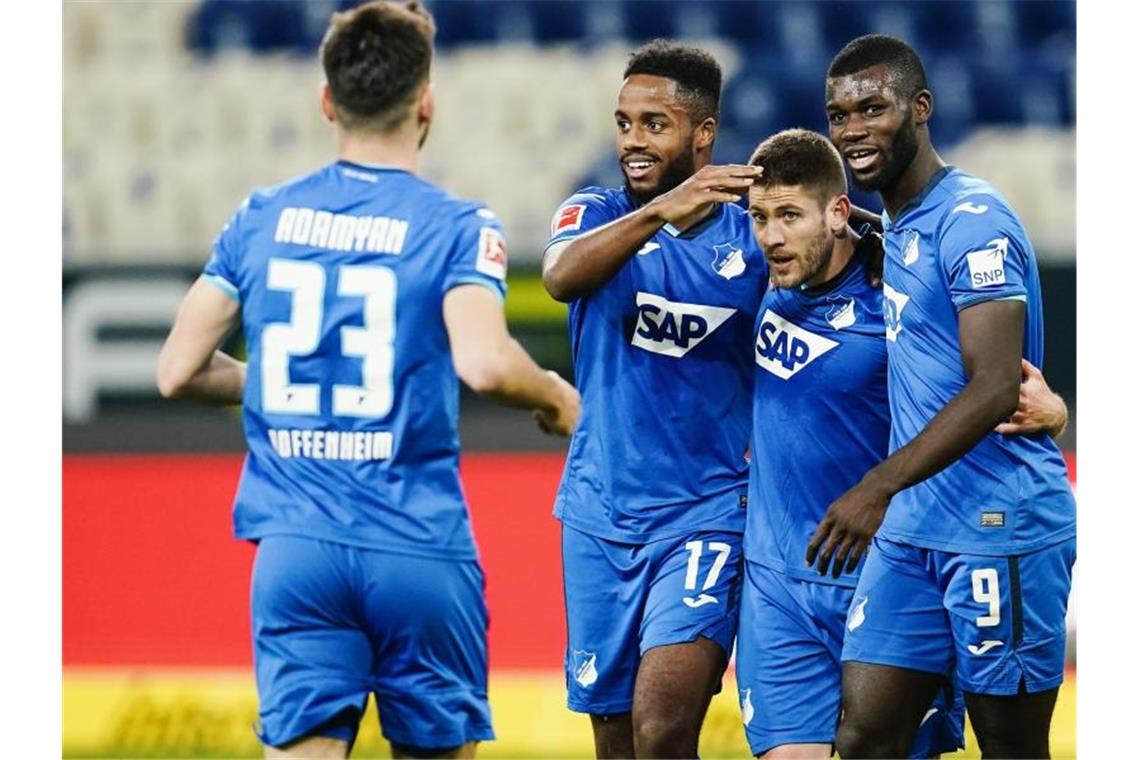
(801, 157)
(696, 73)
(376, 57)
(907, 74)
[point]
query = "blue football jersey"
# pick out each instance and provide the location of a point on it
(956, 245)
(662, 360)
(351, 400)
(820, 418)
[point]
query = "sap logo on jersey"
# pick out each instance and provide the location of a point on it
(784, 348)
(673, 328)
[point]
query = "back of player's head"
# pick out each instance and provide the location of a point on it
(804, 158)
(696, 73)
(376, 58)
(903, 64)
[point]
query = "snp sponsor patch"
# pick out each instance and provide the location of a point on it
(987, 266)
(784, 348)
(673, 328)
(567, 218)
(492, 258)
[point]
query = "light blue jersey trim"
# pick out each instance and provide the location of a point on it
(1021, 298)
(224, 285)
(477, 281)
(671, 229)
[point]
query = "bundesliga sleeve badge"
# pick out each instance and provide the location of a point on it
(492, 257)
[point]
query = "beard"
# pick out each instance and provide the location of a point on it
(676, 172)
(904, 147)
(816, 258)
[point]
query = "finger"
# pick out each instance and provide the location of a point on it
(841, 556)
(1006, 428)
(829, 551)
(721, 197)
(733, 170)
(856, 555)
(1028, 370)
(817, 538)
(726, 183)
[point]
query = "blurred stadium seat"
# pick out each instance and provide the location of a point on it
(182, 84)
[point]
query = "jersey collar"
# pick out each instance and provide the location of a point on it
(917, 200)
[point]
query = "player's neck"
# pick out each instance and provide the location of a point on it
(400, 149)
(917, 176)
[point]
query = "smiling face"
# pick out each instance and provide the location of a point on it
(657, 143)
(873, 126)
(796, 231)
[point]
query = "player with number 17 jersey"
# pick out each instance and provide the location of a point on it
(655, 485)
(351, 402)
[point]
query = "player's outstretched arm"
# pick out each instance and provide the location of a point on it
(190, 366)
(1038, 407)
(577, 267)
(493, 364)
(990, 334)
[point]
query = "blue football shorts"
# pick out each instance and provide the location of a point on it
(788, 669)
(624, 599)
(997, 622)
(334, 623)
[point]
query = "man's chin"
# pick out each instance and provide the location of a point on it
(642, 192)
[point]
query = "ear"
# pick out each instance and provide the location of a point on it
(838, 214)
(425, 104)
(923, 107)
(327, 108)
(705, 134)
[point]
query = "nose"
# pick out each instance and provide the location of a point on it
(770, 236)
(633, 138)
(854, 129)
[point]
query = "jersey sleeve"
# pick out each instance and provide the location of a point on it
(479, 255)
(984, 252)
(222, 269)
(580, 213)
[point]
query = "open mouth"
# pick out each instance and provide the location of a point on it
(861, 158)
(637, 167)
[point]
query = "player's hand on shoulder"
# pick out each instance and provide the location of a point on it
(561, 417)
(871, 245)
(1038, 407)
(846, 530)
(712, 184)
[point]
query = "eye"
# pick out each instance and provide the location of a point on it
(875, 111)
(836, 117)
(759, 220)
(791, 216)
(623, 124)
(655, 125)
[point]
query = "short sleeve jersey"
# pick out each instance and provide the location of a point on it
(820, 418)
(351, 399)
(956, 245)
(662, 360)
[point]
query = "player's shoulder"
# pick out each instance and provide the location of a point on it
(969, 201)
(449, 207)
(598, 197)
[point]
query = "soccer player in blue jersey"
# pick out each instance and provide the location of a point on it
(820, 420)
(363, 292)
(663, 278)
(970, 570)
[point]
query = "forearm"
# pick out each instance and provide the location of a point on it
(592, 259)
(860, 216)
(953, 432)
(221, 382)
(512, 378)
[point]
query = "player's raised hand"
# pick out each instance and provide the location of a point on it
(1038, 407)
(846, 529)
(712, 184)
(561, 418)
